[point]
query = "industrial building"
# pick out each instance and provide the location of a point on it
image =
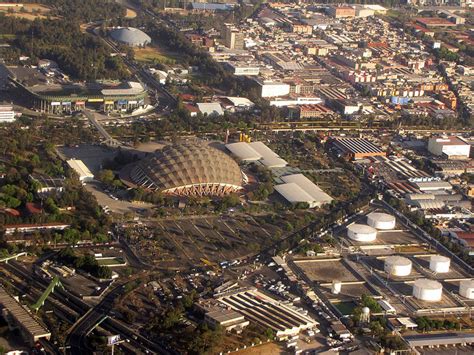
(256, 151)
(192, 168)
(357, 148)
(273, 88)
(297, 188)
(81, 170)
(284, 320)
(449, 147)
(56, 95)
(340, 11)
(233, 38)
(7, 114)
(18, 317)
(130, 36)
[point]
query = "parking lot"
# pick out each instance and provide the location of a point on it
(187, 241)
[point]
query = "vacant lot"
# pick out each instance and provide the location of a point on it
(154, 54)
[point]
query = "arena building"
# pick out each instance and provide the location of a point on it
(58, 95)
(130, 36)
(191, 168)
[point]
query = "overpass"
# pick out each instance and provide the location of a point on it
(108, 139)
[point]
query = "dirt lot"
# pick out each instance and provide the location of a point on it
(28, 11)
(327, 271)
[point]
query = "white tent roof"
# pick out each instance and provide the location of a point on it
(307, 185)
(274, 162)
(243, 151)
(240, 101)
(210, 108)
(293, 193)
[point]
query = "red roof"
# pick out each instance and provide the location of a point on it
(33, 208)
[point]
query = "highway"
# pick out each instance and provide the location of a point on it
(68, 303)
(108, 139)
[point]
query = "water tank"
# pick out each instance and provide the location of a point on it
(466, 289)
(336, 287)
(427, 290)
(361, 233)
(439, 264)
(380, 220)
(397, 266)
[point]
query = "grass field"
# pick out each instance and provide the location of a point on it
(154, 54)
(28, 11)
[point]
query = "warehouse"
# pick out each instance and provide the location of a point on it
(269, 313)
(298, 188)
(256, 151)
(449, 147)
(81, 170)
(357, 148)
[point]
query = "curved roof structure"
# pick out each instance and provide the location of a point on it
(130, 36)
(189, 169)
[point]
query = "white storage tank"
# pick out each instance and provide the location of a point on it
(361, 233)
(397, 266)
(440, 264)
(381, 220)
(336, 287)
(427, 290)
(466, 289)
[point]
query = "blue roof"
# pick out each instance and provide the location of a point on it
(211, 7)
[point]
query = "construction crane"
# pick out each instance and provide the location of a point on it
(55, 282)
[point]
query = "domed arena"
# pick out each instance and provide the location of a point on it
(188, 169)
(130, 36)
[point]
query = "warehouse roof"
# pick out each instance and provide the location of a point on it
(309, 187)
(357, 145)
(243, 151)
(440, 339)
(210, 108)
(257, 151)
(433, 185)
(293, 193)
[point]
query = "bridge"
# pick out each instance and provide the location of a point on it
(12, 257)
(108, 139)
(55, 282)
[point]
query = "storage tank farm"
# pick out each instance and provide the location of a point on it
(381, 221)
(466, 289)
(427, 290)
(440, 264)
(397, 266)
(361, 233)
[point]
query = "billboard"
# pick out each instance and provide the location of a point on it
(54, 103)
(95, 100)
(113, 339)
(122, 102)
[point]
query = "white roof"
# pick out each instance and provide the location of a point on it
(274, 162)
(80, 168)
(210, 108)
(240, 101)
(263, 150)
(243, 151)
(293, 193)
(257, 151)
(308, 186)
(433, 185)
